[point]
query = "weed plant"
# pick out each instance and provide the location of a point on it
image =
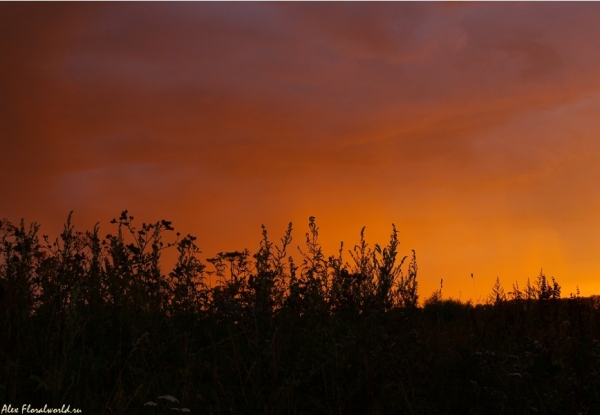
(98, 324)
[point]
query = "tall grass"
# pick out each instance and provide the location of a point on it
(97, 323)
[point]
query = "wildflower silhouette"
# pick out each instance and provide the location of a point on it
(102, 323)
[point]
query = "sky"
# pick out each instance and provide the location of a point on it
(473, 127)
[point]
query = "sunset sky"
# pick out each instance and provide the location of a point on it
(474, 127)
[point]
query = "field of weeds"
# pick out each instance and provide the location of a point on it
(95, 323)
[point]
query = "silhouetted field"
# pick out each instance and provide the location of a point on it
(97, 324)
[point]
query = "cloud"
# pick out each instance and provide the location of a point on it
(463, 114)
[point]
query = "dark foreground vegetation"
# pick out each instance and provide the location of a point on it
(97, 324)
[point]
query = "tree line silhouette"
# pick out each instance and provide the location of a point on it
(98, 324)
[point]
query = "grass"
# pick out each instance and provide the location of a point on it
(96, 324)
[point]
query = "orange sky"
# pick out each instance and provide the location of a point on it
(473, 127)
